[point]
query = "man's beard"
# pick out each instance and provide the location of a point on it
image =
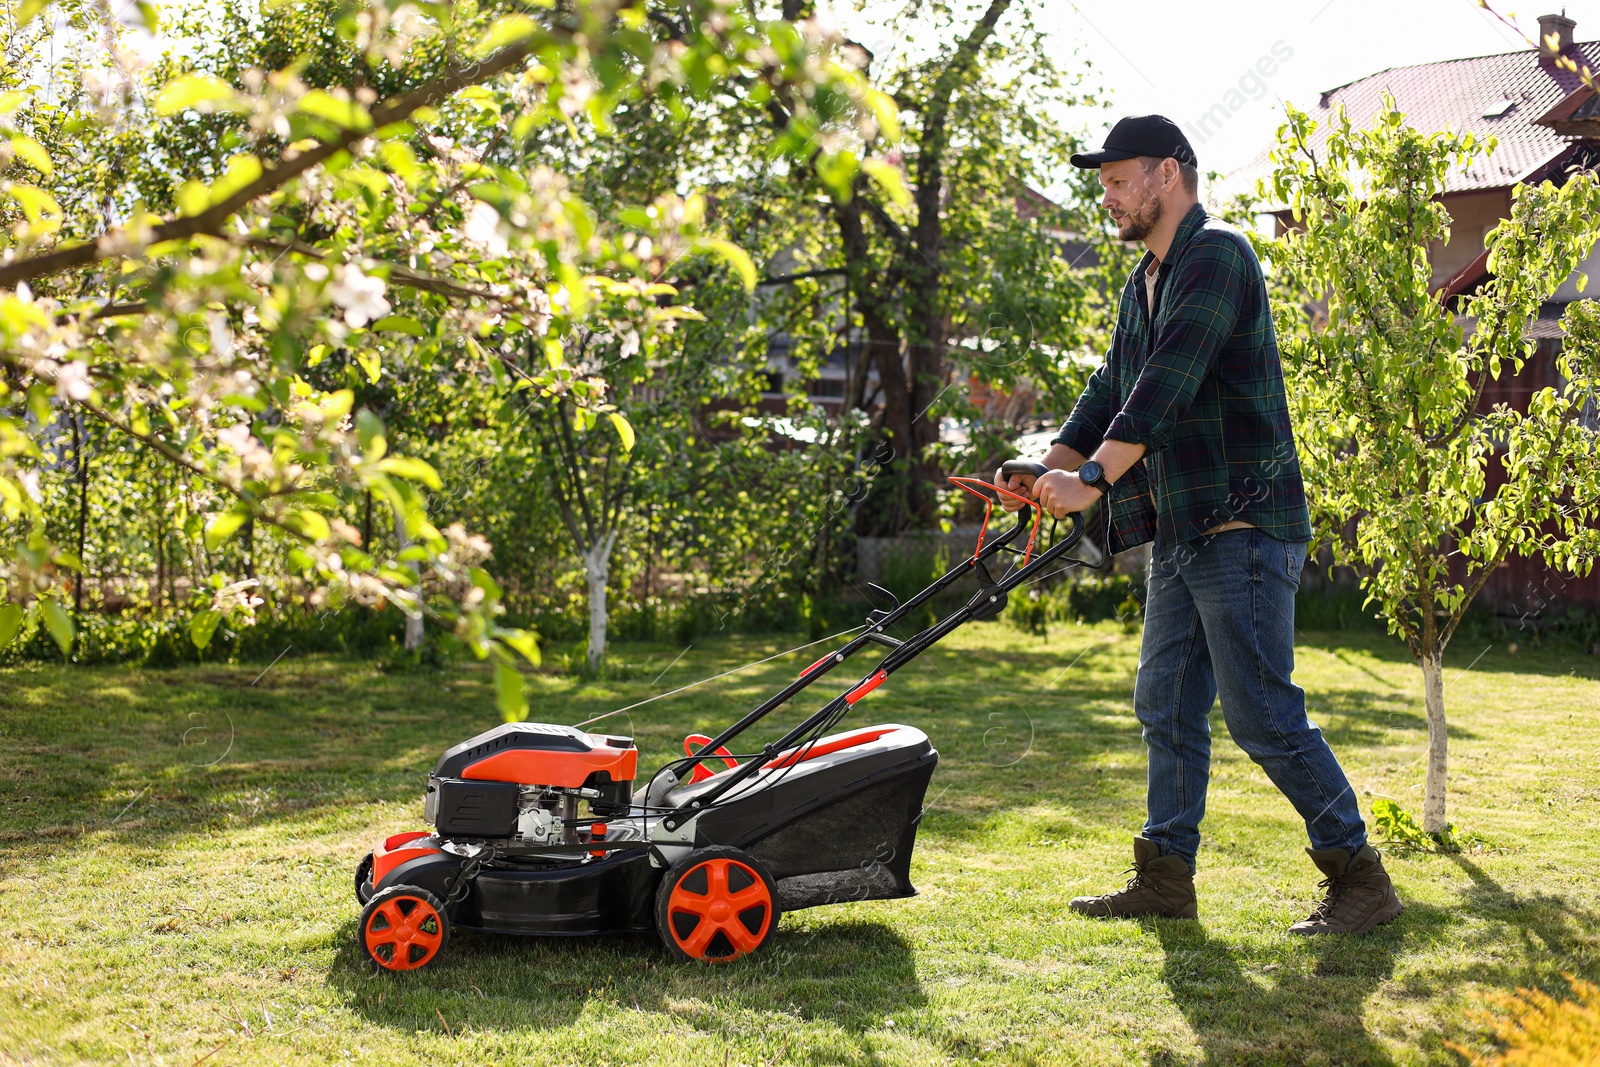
(1137, 224)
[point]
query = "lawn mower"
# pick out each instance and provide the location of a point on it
(537, 828)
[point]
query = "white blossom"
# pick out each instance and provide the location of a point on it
(72, 381)
(361, 296)
(407, 25)
(483, 229)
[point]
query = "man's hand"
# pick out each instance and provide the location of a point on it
(1059, 457)
(1061, 493)
(1017, 483)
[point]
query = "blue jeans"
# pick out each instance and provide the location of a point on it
(1219, 618)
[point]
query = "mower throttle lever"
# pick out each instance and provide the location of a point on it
(894, 601)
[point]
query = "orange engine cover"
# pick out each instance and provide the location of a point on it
(541, 754)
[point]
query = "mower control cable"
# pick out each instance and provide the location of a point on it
(724, 674)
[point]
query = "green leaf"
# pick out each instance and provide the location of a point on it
(734, 256)
(203, 92)
(369, 432)
(33, 154)
(193, 197)
(624, 430)
(149, 15)
(397, 155)
(485, 581)
(203, 627)
(837, 171)
(508, 691)
(889, 179)
(11, 617)
(371, 363)
(59, 623)
(412, 469)
(508, 29)
(336, 405)
(309, 524)
(36, 203)
(886, 111)
(346, 114)
(400, 324)
(524, 641)
(28, 10)
(225, 526)
(241, 170)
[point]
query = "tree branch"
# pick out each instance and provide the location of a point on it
(397, 109)
(173, 456)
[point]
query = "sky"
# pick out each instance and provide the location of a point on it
(1224, 68)
(1185, 58)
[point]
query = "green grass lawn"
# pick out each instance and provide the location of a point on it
(176, 851)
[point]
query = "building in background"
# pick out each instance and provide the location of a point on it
(1547, 123)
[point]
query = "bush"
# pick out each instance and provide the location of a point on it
(1328, 606)
(907, 569)
(1537, 1030)
(166, 643)
(1083, 598)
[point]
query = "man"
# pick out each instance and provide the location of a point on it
(1186, 427)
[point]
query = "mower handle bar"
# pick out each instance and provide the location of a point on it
(897, 656)
(1035, 469)
(1030, 467)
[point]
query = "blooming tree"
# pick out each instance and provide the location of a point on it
(183, 242)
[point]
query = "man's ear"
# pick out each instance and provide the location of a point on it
(1170, 175)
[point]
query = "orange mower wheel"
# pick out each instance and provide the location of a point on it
(403, 928)
(716, 904)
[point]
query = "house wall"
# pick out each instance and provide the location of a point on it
(1472, 216)
(1569, 289)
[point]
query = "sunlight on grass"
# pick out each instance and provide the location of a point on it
(176, 851)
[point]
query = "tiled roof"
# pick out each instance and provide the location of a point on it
(1457, 94)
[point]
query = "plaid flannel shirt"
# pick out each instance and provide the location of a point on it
(1202, 391)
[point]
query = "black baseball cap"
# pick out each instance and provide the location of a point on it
(1140, 135)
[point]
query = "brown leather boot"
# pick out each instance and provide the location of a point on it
(1360, 895)
(1161, 885)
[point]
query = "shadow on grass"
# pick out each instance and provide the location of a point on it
(1363, 717)
(1263, 1005)
(1553, 657)
(1278, 1009)
(852, 974)
(1553, 933)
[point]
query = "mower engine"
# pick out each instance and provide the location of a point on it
(520, 786)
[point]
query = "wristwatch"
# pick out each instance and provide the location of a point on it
(1093, 474)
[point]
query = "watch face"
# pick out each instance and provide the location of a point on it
(1090, 472)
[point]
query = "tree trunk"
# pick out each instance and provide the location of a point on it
(82, 460)
(897, 500)
(413, 619)
(157, 600)
(1433, 803)
(597, 569)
